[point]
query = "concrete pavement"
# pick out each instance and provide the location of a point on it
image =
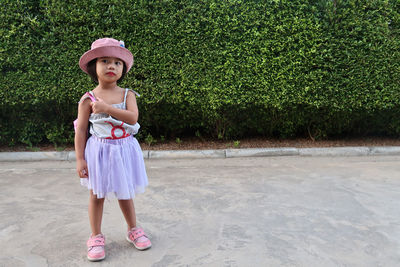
(253, 211)
(217, 153)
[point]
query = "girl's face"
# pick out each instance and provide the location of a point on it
(109, 69)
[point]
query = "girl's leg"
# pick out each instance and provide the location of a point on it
(136, 236)
(128, 209)
(95, 213)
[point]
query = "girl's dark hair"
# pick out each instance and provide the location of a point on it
(91, 68)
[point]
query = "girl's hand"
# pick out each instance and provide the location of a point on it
(100, 106)
(81, 168)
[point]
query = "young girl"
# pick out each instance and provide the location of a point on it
(110, 162)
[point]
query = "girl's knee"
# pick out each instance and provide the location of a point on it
(125, 201)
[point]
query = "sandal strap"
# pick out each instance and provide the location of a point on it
(137, 233)
(95, 242)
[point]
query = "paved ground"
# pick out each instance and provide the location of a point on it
(267, 211)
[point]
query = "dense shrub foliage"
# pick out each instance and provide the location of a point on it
(226, 69)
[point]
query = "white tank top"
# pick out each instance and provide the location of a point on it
(104, 126)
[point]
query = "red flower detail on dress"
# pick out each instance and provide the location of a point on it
(115, 127)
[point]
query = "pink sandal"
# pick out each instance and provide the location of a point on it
(138, 238)
(95, 246)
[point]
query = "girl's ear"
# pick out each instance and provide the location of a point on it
(123, 74)
(91, 68)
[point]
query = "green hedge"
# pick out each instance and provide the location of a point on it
(225, 69)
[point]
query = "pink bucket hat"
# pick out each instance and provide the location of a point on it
(107, 47)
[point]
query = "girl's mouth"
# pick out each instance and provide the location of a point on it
(110, 73)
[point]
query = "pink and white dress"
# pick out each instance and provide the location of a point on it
(114, 157)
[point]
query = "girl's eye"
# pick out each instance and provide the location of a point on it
(104, 61)
(118, 62)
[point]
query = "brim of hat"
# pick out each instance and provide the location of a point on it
(107, 51)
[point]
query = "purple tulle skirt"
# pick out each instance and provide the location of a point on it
(116, 167)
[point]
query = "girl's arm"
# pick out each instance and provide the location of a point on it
(130, 115)
(84, 110)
